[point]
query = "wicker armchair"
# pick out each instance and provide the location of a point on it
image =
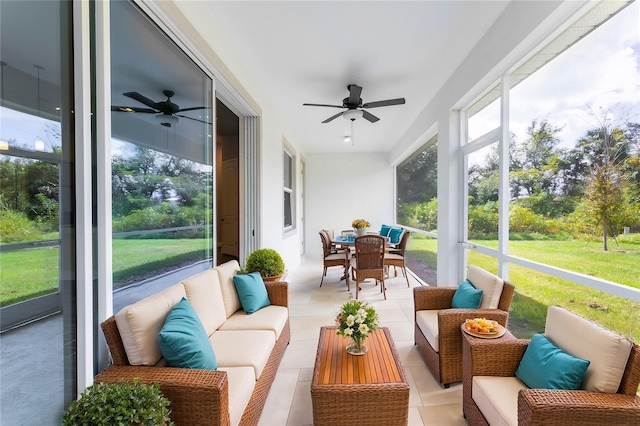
(445, 359)
(395, 257)
(333, 256)
(501, 358)
(369, 261)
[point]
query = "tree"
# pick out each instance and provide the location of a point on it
(418, 177)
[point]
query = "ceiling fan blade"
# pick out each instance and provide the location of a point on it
(333, 117)
(324, 105)
(142, 99)
(354, 94)
(367, 115)
(132, 109)
(191, 118)
(193, 108)
(388, 102)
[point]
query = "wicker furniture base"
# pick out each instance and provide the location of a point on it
(370, 389)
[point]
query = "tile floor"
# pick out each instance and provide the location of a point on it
(311, 306)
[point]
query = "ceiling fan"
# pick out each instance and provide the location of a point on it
(166, 111)
(354, 106)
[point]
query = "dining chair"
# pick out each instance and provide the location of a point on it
(336, 257)
(396, 258)
(369, 261)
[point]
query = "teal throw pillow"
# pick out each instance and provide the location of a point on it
(466, 296)
(251, 292)
(384, 230)
(183, 340)
(395, 234)
(546, 366)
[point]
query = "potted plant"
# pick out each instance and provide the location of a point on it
(360, 226)
(356, 320)
(119, 403)
(267, 262)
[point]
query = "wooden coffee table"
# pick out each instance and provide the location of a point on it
(369, 389)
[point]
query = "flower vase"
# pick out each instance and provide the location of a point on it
(360, 232)
(356, 347)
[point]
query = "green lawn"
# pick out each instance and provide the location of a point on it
(536, 291)
(33, 272)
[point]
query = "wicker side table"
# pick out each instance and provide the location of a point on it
(469, 409)
(370, 389)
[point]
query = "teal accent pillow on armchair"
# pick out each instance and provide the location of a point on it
(395, 234)
(466, 296)
(251, 291)
(546, 366)
(183, 340)
(384, 230)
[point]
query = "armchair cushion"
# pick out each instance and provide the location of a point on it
(497, 398)
(466, 296)
(579, 336)
(427, 321)
(183, 340)
(490, 285)
(545, 366)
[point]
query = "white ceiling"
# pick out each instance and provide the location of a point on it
(302, 51)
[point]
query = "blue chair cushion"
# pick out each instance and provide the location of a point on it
(251, 292)
(467, 296)
(394, 235)
(183, 340)
(384, 230)
(546, 366)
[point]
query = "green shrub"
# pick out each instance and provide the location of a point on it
(15, 227)
(266, 261)
(119, 404)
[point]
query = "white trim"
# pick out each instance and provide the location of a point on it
(503, 179)
(82, 162)
(103, 171)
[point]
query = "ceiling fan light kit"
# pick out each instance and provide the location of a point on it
(352, 114)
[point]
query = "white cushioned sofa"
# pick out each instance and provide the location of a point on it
(494, 392)
(248, 348)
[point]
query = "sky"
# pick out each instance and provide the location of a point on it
(599, 74)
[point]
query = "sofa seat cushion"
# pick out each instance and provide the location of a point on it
(271, 317)
(243, 348)
(497, 398)
(427, 321)
(490, 284)
(205, 295)
(241, 384)
(579, 336)
(226, 272)
(140, 323)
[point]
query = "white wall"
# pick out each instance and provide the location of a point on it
(341, 188)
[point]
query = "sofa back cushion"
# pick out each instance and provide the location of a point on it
(490, 285)
(205, 295)
(140, 323)
(226, 271)
(607, 351)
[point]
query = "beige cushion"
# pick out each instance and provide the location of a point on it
(243, 348)
(579, 337)
(270, 317)
(427, 321)
(205, 295)
(140, 323)
(497, 398)
(490, 285)
(241, 384)
(226, 271)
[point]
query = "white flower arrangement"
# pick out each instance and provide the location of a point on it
(356, 320)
